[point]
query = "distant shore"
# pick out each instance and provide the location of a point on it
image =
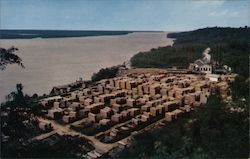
(33, 34)
(30, 34)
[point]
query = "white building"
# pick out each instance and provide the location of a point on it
(201, 66)
(213, 77)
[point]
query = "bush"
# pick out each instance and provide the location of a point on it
(105, 73)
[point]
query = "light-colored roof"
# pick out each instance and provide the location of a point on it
(199, 62)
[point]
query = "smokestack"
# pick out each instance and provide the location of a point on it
(206, 56)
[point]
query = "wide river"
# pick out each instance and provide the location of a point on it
(56, 61)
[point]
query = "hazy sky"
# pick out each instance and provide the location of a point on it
(168, 15)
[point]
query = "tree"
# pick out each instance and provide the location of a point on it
(8, 56)
(106, 73)
(16, 95)
(17, 98)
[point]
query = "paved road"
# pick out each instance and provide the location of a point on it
(44, 136)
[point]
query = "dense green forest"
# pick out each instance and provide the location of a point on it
(55, 147)
(233, 44)
(213, 131)
(212, 35)
(168, 56)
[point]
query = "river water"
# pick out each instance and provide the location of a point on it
(56, 61)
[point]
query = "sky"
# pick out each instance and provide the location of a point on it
(163, 15)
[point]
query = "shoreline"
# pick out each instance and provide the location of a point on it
(43, 34)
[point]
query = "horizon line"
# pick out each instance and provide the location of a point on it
(123, 29)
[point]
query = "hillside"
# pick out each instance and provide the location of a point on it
(212, 35)
(231, 44)
(164, 57)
